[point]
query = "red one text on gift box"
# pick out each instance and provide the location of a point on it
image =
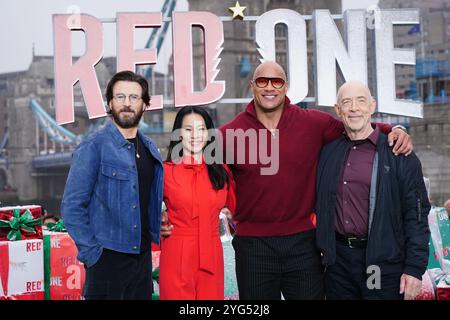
(55, 243)
(68, 261)
(34, 246)
(56, 281)
(33, 286)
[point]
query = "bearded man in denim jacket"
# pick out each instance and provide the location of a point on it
(112, 200)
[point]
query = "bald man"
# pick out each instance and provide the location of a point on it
(372, 209)
(275, 233)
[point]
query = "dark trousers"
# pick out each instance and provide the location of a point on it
(267, 267)
(349, 279)
(119, 276)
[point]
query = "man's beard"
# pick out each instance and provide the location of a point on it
(127, 122)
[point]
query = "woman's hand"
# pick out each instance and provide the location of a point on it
(166, 229)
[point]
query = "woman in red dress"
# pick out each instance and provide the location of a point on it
(196, 189)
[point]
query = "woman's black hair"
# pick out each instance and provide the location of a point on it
(216, 171)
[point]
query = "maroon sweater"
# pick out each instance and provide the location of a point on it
(280, 204)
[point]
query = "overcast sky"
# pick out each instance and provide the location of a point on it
(24, 22)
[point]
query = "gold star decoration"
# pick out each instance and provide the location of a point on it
(238, 11)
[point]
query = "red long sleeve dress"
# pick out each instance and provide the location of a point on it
(191, 262)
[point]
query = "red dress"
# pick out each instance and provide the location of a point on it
(191, 263)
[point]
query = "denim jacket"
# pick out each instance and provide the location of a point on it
(100, 206)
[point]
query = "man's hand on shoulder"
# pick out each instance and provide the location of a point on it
(403, 142)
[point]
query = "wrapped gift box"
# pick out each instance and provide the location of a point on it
(433, 258)
(231, 289)
(64, 274)
(439, 260)
(20, 223)
(156, 252)
(155, 259)
(21, 270)
(440, 236)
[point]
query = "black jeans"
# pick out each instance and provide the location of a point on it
(267, 267)
(348, 278)
(119, 276)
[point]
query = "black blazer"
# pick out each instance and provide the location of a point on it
(398, 231)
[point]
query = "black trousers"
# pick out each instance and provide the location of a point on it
(267, 267)
(119, 276)
(349, 279)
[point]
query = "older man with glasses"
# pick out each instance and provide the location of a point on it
(372, 209)
(275, 236)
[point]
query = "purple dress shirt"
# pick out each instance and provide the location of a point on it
(352, 205)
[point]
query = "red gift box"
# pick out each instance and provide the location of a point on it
(156, 252)
(64, 274)
(21, 270)
(20, 223)
(155, 259)
(443, 289)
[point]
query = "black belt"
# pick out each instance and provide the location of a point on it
(352, 242)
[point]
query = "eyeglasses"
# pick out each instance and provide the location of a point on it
(359, 102)
(133, 98)
(263, 82)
